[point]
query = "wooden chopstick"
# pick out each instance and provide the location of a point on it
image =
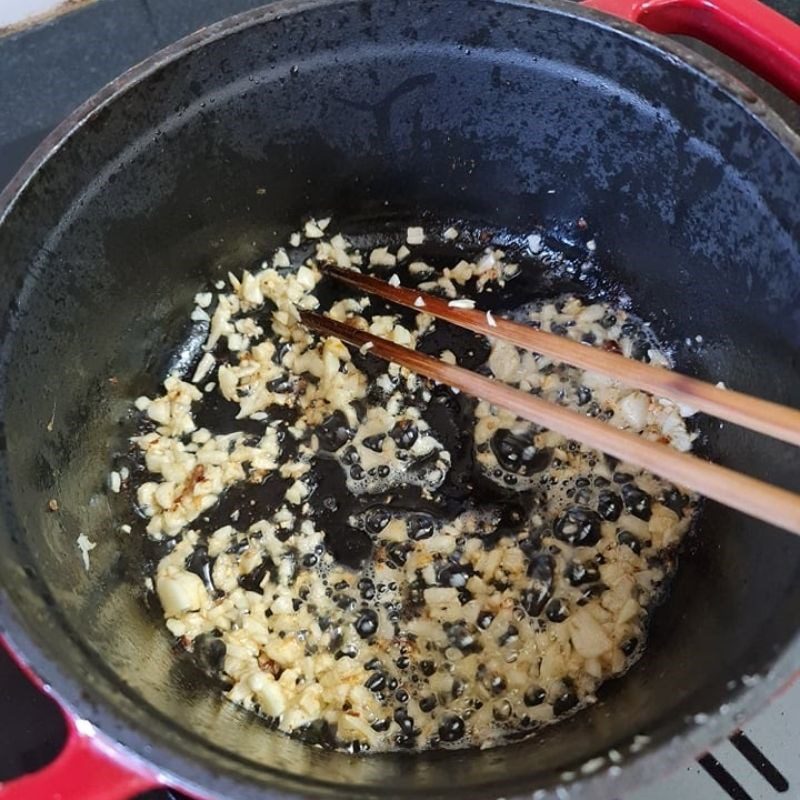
(748, 495)
(759, 415)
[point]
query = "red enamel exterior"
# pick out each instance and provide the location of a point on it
(86, 769)
(746, 30)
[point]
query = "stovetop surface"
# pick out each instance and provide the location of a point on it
(48, 70)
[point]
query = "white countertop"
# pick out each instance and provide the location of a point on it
(16, 11)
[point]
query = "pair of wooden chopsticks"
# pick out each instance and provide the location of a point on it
(746, 494)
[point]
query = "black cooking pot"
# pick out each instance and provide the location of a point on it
(517, 114)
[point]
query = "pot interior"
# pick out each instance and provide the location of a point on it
(513, 115)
